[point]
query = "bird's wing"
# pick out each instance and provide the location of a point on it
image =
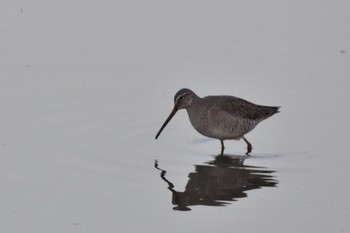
(241, 108)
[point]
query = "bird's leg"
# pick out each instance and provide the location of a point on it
(249, 146)
(222, 147)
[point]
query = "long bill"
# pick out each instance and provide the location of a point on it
(167, 120)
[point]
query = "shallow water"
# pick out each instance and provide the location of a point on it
(85, 87)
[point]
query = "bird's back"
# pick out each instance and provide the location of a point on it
(244, 109)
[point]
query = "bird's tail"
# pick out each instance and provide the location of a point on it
(269, 110)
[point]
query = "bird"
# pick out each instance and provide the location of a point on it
(220, 117)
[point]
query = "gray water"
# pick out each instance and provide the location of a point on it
(85, 87)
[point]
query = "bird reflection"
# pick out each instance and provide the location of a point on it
(218, 182)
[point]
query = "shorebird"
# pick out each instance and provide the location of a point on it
(220, 117)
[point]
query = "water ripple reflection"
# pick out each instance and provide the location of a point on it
(219, 182)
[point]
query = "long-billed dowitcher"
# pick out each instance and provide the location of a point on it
(221, 117)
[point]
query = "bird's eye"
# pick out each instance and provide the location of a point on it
(181, 97)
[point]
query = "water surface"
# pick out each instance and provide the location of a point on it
(84, 87)
(218, 182)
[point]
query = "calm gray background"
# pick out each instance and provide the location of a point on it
(85, 86)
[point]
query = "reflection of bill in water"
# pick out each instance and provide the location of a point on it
(219, 181)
